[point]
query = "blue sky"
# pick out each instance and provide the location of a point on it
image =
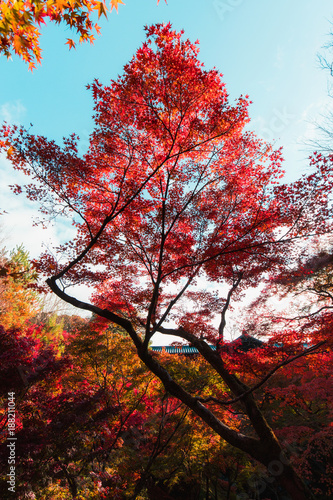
(265, 49)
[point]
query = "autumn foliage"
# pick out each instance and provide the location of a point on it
(18, 302)
(93, 423)
(20, 23)
(179, 210)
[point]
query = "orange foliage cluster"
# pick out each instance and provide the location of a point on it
(20, 21)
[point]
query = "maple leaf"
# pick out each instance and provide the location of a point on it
(39, 14)
(102, 10)
(18, 43)
(61, 4)
(70, 43)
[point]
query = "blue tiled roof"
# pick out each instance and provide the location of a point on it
(185, 349)
(243, 343)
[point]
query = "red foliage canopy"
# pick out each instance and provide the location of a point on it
(171, 189)
(173, 193)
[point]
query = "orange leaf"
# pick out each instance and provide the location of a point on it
(17, 42)
(115, 3)
(70, 43)
(61, 4)
(102, 10)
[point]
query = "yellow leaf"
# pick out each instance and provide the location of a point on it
(61, 4)
(115, 3)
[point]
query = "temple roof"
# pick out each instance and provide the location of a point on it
(243, 343)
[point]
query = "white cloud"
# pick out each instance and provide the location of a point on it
(12, 112)
(17, 221)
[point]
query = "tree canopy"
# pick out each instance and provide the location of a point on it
(18, 300)
(179, 209)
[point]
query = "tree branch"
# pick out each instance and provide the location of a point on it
(262, 382)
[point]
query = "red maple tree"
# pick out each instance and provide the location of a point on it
(173, 199)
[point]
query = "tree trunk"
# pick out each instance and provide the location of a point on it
(266, 449)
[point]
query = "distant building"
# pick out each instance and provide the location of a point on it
(243, 343)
